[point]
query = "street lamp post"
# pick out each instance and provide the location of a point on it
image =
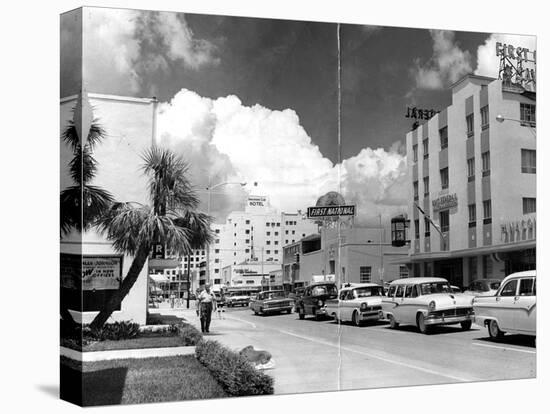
(501, 119)
(209, 189)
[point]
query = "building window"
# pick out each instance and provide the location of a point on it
(426, 186)
(426, 227)
(485, 117)
(276, 251)
(267, 224)
(268, 242)
(278, 224)
(247, 250)
(415, 153)
(528, 161)
(365, 274)
(403, 272)
(444, 137)
(487, 213)
(276, 242)
(417, 229)
(529, 205)
(286, 241)
(268, 233)
(247, 222)
(415, 190)
(444, 173)
(472, 215)
(247, 241)
(527, 114)
(247, 231)
(470, 125)
(286, 231)
(471, 169)
(217, 241)
(276, 233)
(268, 251)
(425, 148)
(293, 232)
(217, 231)
(444, 220)
(486, 164)
(216, 251)
(216, 260)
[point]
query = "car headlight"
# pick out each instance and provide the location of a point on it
(364, 306)
(320, 302)
(431, 306)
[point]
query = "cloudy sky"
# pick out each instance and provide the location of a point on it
(256, 99)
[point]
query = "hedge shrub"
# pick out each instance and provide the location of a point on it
(189, 334)
(233, 372)
(112, 331)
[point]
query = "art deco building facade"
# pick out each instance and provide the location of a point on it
(473, 172)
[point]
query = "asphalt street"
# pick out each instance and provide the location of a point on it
(312, 356)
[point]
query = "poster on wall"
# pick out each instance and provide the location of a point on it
(101, 272)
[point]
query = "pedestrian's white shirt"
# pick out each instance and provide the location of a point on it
(206, 297)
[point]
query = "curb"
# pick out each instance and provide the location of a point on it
(125, 353)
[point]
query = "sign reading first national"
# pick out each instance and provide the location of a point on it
(330, 211)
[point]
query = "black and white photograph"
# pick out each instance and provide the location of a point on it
(255, 206)
(279, 208)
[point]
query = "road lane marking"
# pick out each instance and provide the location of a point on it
(506, 348)
(241, 320)
(404, 364)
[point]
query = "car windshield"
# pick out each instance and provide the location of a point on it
(368, 291)
(324, 290)
(271, 295)
(494, 285)
(435, 287)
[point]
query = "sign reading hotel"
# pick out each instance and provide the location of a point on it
(330, 211)
(101, 272)
(257, 201)
(514, 67)
(445, 202)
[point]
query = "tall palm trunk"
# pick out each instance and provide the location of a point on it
(133, 273)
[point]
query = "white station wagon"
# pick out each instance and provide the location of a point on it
(426, 301)
(357, 303)
(514, 307)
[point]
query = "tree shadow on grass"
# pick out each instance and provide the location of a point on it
(101, 387)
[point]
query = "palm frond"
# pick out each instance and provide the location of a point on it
(199, 226)
(169, 186)
(83, 166)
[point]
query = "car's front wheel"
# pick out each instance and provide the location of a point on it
(421, 323)
(494, 330)
(301, 313)
(466, 325)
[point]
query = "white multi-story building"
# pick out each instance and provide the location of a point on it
(256, 234)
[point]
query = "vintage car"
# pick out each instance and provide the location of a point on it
(512, 309)
(357, 303)
(483, 287)
(237, 299)
(313, 300)
(220, 298)
(426, 301)
(271, 301)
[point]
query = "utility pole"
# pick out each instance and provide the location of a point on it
(380, 269)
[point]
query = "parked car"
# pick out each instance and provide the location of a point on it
(512, 309)
(313, 300)
(237, 299)
(357, 303)
(271, 301)
(483, 287)
(426, 301)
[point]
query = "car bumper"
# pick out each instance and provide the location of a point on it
(371, 315)
(278, 308)
(447, 320)
(321, 311)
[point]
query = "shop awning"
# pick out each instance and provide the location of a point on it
(158, 278)
(454, 254)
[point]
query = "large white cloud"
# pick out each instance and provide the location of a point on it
(223, 140)
(121, 46)
(447, 64)
(488, 61)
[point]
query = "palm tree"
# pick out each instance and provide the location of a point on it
(171, 220)
(81, 204)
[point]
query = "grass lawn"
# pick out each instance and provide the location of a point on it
(135, 381)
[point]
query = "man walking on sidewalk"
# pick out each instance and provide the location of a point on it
(207, 304)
